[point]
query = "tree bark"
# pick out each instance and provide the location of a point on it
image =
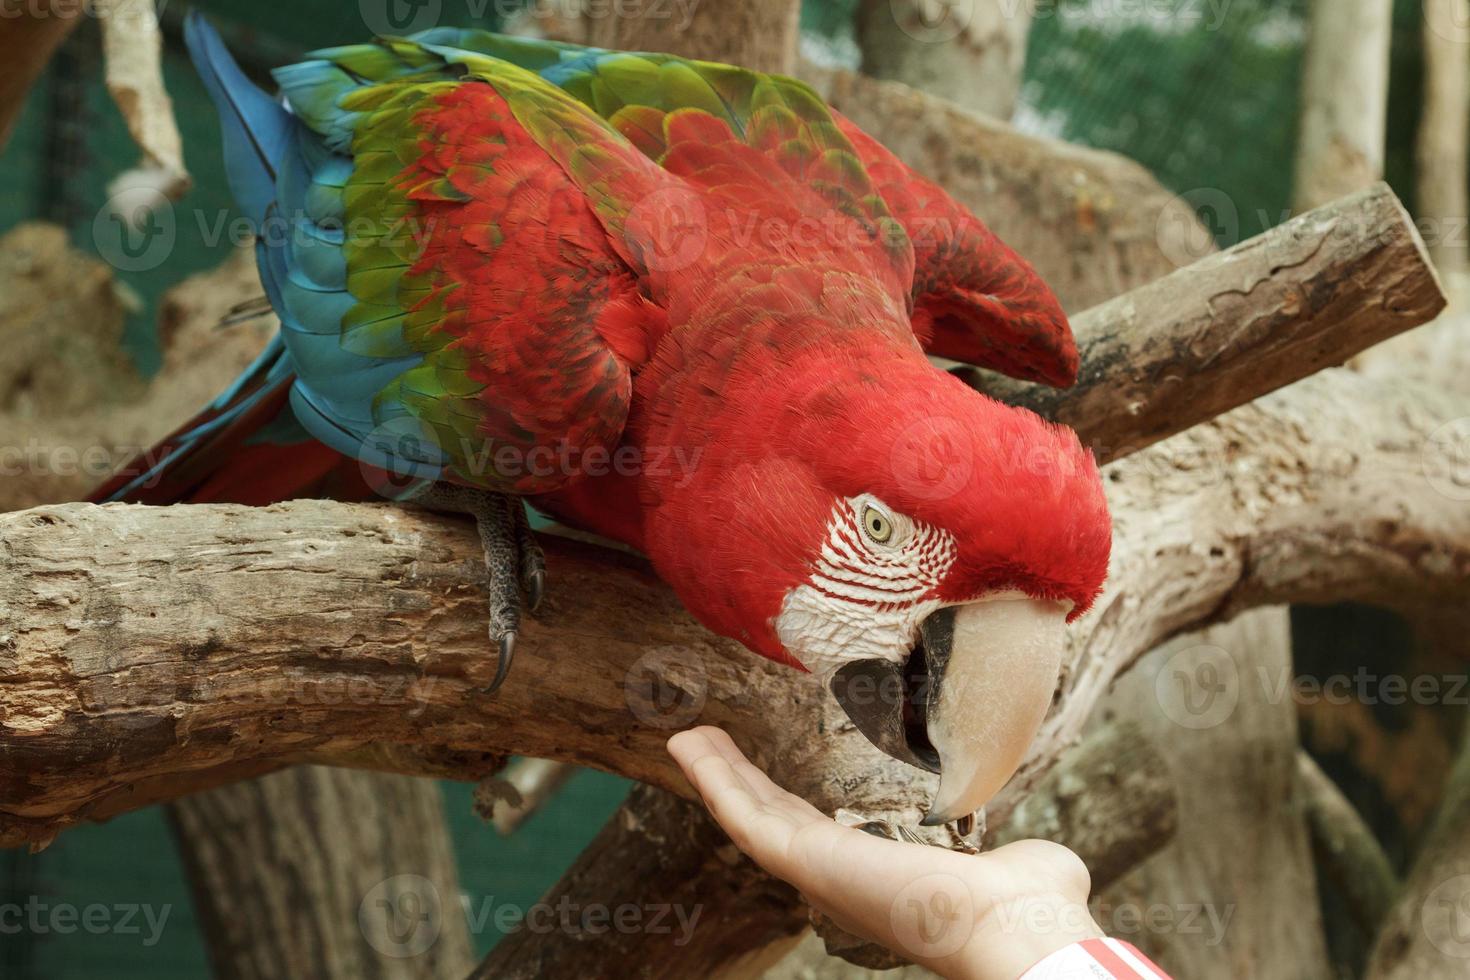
(1427, 936)
(703, 907)
(1344, 100)
(1444, 138)
(509, 799)
(1345, 849)
(1307, 295)
(273, 862)
(759, 34)
(326, 873)
(180, 632)
(970, 53)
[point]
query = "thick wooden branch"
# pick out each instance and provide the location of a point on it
(28, 38)
(150, 652)
(759, 34)
(1307, 295)
(526, 785)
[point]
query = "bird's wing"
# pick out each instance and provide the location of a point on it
(973, 298)
(478, 298)
(450, 298)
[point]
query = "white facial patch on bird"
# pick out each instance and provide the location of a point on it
(870, 588)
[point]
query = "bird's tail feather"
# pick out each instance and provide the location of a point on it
(244, 447)
(255, 127)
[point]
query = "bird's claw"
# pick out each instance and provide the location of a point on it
(535, 586)
(507, 648)
(513, 560)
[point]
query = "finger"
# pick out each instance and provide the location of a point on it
(725, 794)
(760, 784)
(761, 830)
(687, 745)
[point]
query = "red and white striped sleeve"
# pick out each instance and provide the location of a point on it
(1096, 959)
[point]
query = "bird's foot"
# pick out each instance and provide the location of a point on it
(513, 560)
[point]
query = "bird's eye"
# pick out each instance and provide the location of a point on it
(877, 525)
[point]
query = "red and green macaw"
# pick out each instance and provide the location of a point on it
(682, 305)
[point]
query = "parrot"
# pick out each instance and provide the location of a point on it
(685, 306)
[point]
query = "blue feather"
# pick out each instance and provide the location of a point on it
(255, 127)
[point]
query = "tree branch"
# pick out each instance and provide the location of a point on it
(366, 860)
(1423, 936)
(1307, 295)
(149, 652)
(1345, 848)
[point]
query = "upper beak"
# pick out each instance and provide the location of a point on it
(969, 699)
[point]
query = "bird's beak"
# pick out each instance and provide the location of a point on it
(969, 699)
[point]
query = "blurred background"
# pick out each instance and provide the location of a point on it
(1207, 102)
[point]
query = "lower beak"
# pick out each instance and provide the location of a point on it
(969, 699)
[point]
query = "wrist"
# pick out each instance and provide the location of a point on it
(1013, 935)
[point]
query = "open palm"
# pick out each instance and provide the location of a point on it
(987, 916)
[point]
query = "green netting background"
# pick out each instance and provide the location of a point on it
(1206, 102)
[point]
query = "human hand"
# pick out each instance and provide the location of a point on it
(989, 916)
